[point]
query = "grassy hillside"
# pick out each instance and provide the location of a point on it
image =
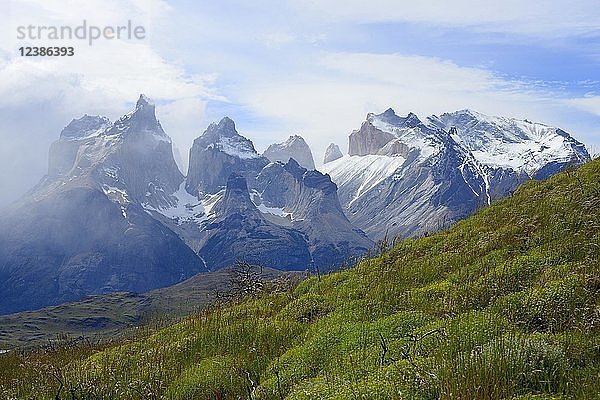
(102, 317)
(504, 305)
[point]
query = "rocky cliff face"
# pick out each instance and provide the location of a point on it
(295, 147)
(372, 138)
(218, 153)
(284, 200)
(239, 232)
(63, 152)
(332, 153)
(132, 156)
(367, 140)
(286, 204)
(144, 160)
(309, 200)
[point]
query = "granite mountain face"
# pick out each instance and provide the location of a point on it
(407, 177)
(239, 205)
(216, 154)
(294, 147)
(115, 213)
(332, 153)
(82, 229)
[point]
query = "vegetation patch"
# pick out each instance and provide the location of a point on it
(503, 305)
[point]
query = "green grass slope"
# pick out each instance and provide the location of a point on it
(504, 305)
(106, 317)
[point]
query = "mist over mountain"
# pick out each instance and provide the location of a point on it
(82, 230)
(114, 213)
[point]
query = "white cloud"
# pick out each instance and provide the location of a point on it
(404, 71)
(556, 18)
(110, 70)
(104, 78)
(183, 120)
(278, 39)
(587, 103)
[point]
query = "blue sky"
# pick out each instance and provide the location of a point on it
(310, 67)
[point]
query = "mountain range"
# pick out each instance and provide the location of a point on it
(114, 213)
(407, 177)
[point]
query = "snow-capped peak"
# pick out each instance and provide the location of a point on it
(408, 131)
(390, 117)
(225, 127)
(293, 139)
(520, 145)
(504, 142)
(142, 120)
(224, 137)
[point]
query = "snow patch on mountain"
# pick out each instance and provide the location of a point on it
(234, 147)
(501, 142)
(85, 127)
(277, 211)
(188, 208)
(266, 209)
(92, 152)
(414, 137)
(116, 195)
(363, 172)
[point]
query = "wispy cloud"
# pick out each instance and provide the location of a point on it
(332, 101)
(590, 103)
(542, 18)
(39, 95)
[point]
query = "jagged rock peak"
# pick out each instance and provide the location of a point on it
(389, 113)
(294, 168)
(317, 180)
(141, 120)
(412, 119)
(145, 108)
(218, 152)
(144, 101)
(310, 178)
(224, 137)
(225, 127)
(236, 198)
(294, 147)
(86, 126)
(294, 138)
(389, 116)
(332, 153)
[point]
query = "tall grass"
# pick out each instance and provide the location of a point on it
(504, 305)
